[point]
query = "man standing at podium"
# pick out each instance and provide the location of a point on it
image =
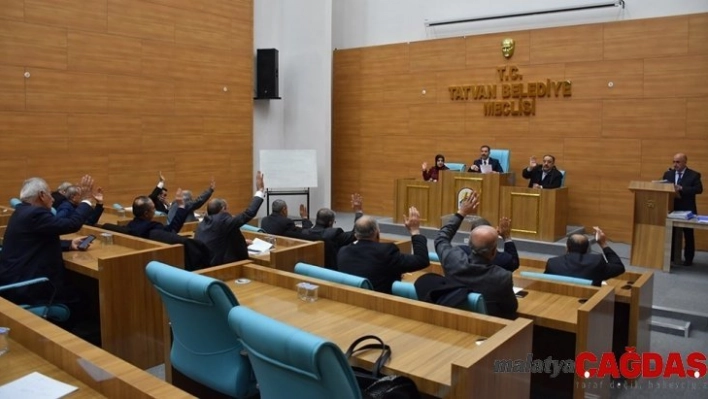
(687, 183)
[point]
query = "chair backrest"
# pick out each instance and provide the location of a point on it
(333, 276)
(562, 178)
(475, 303)
(456, 166)
(248, 227)
(433, 256)
(557, 278)
(204, 348)
(502, 156)
(14, 202)
(118, 206)
(404, 289)
(291, 363)
(56, 312)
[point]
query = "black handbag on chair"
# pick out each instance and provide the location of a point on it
(372, 383)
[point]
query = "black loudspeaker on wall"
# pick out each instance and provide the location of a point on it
(267, 73)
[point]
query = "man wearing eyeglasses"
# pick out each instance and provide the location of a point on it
(687, 184)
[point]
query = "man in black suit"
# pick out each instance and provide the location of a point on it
(578, 263)
(324, 225)
(545, 175)
(383, 263)
(32, 245)
(158, 196)
(509, 258)
(221, 232)
(278, 223)
(687, 184)
(485, 159)
(477, 270)
(144, 211)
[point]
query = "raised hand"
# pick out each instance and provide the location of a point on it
(86, 186)
(259, 181)
(504, 228)
(212, 185)
(600, 236)
(162, 178)
(98, 195)
(424, 166)
(469, 205)
(179, 198)
(532, 162)
(303, 211)
(357, 201)
(412, 221)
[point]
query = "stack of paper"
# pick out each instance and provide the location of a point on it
(682, 215)
(259, 246)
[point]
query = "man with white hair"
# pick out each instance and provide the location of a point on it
(32, 246)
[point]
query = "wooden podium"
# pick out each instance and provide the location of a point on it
(424, 195)
(652, 202)
(536, 214)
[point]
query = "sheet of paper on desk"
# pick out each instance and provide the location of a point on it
(259, 246)
(517, 290)
(36, 386)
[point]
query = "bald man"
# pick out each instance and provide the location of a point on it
(687, 184)
(383, 263)
(477, 271)
(577, 262)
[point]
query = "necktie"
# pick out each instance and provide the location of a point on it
(678, 177)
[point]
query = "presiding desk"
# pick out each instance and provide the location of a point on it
(129, 306)
(38, 345)
(449, 353)
(538, 214)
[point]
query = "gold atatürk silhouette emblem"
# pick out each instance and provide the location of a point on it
(508, 47)
(651, 204)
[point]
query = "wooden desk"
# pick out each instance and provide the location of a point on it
(435, 346)
(487, 185)
(129, 306)
(37, 345)
(670, 224)
(538, 214)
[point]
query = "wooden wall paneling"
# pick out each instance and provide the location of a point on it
(437, 55)
(676, 76)
(443, 121)
(11, 183)
(136, 174)
(228, 133)
(72, 14)
(566, 44)
(584, 203)
(657, 155)
(592, 158)
(12, 88)
(202, 64)
(646, 38)
(648, 118)
(346, 73)
(385, 60)
(698, 34)
(371, 90)
(204, 19)
(156, 60)
(697, 118)
(63, 91)
(567, 118)
(141, 19)
(171, 134)
(103, 133)
(12, 9)
(203, 98)
(479, 125)
(414, 88)
(22, 131)
(485, 50)
(616, 207)
(138, 95)
(591, 79)
(32, 45)
(57, 172)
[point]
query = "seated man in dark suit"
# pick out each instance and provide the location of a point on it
(159, 196)
(33, 247)
(221, 232)
(73, 200)
(324, 225)
(60, 194)
(383, 263)
(687, 183)
(477, 270)
(545, 175)
(509, 259)
(144, 212)
(577, 262)
(485, 159)
(278, 223)
(192, 204)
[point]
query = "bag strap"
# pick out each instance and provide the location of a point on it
(383, 347)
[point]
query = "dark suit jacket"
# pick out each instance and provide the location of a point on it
(493, 282)
(159, 206)
(142, 228)
(382, 263)
(337, 236)
(280, 225)
(507, 260)
(66, 209)
(222, 234)
(553, 179)
(496, 166)
(691, 185)
(32, 248)
(588, 266)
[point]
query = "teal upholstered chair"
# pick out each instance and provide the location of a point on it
(248, 227)
(118, 206)
(50, 311)
(291, 363)
(456, 166)
(474, 303)
(14, 202)
(204, 348)
(333, 276)
(503, 157)
(556, 278)
(433, 256)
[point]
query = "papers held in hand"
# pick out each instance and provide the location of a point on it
(259, 246)
(485, 168)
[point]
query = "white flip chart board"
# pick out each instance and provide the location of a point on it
(289, 168)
